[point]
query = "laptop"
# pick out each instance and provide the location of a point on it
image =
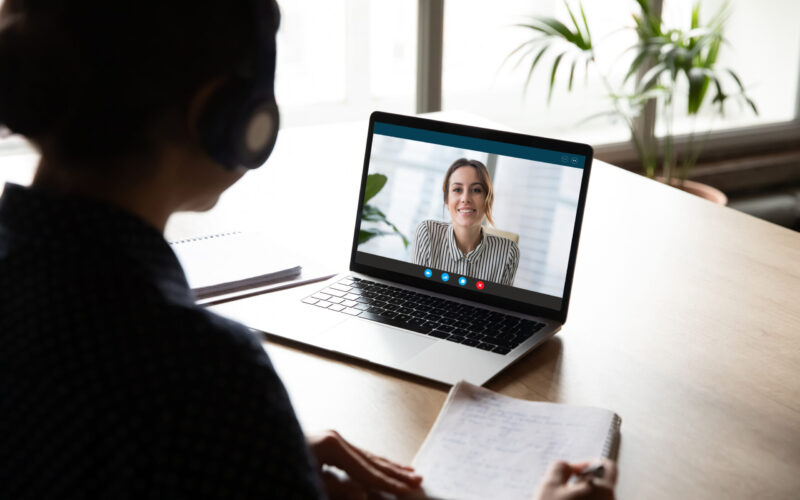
(463, 253)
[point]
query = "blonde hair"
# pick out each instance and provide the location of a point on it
(483, 178)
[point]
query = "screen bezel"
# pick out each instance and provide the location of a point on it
(488, 134)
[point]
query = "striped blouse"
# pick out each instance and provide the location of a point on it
(494, 259)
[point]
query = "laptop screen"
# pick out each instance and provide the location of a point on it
(486, 215)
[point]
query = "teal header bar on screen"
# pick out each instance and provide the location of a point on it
(475, 144)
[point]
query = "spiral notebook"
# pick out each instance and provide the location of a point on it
(486, 445)
(224, 263)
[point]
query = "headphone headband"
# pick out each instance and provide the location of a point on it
(239, 126)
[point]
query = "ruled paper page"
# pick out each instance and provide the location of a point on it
(486, 445)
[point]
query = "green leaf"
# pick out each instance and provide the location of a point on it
(529, 43)
(522, 58)
(637, 62)
(713, 52)
(585, 25)
(556, 29)
(650, 24)
(541, 27)
(571, 75)
(720, 97)
(637, 99)
(574, 20)
(752, 104)
(556, 62)
(520, 47)
(652, 93)
(681, 56)
(704, 32)
(720, 17)
(586, 71)
(706, 82)
(742, 91)
(370, 213)
(373, 214)
(559, 28)
(365, 235)
(696, 78)
(533, 66)
(375, 183)
(736, 79)
(667, 50)
(402, 236)
(639, 23)
(701, 44)
(651, 76)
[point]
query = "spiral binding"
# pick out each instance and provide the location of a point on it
(201, 238)
(611, 444)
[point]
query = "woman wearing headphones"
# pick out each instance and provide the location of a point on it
(462, 246)
(113, 382)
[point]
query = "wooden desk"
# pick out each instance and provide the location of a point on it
(685, 320)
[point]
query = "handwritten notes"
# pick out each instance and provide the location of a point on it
(486, 445)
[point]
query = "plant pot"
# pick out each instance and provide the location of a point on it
(704, 191)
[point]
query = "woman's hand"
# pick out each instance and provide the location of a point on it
(556, 484)
(366, 472)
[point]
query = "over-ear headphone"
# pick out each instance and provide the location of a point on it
(239, 125)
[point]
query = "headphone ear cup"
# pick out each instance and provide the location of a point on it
(259, 133)
(236, 129)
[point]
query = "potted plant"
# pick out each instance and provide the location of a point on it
(371, 213)
(669, 65)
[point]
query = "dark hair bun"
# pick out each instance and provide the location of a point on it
(93, 80)
(32, 77)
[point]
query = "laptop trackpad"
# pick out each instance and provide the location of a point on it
(375, 342)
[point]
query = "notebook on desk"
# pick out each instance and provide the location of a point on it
(447, 280)
(511, 442)
(224, 263)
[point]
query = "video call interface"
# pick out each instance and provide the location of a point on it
(492, 217)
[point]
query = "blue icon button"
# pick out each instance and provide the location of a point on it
(462, 281)
(428, 273)
(445, 277)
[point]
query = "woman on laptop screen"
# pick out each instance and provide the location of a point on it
(463, 246)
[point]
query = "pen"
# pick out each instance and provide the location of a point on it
(596, 470)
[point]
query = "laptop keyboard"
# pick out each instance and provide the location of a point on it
(434, 316)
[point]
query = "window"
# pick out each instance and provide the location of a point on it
(340, 59)
(337, 61)
(763, 49)
(477, 39)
